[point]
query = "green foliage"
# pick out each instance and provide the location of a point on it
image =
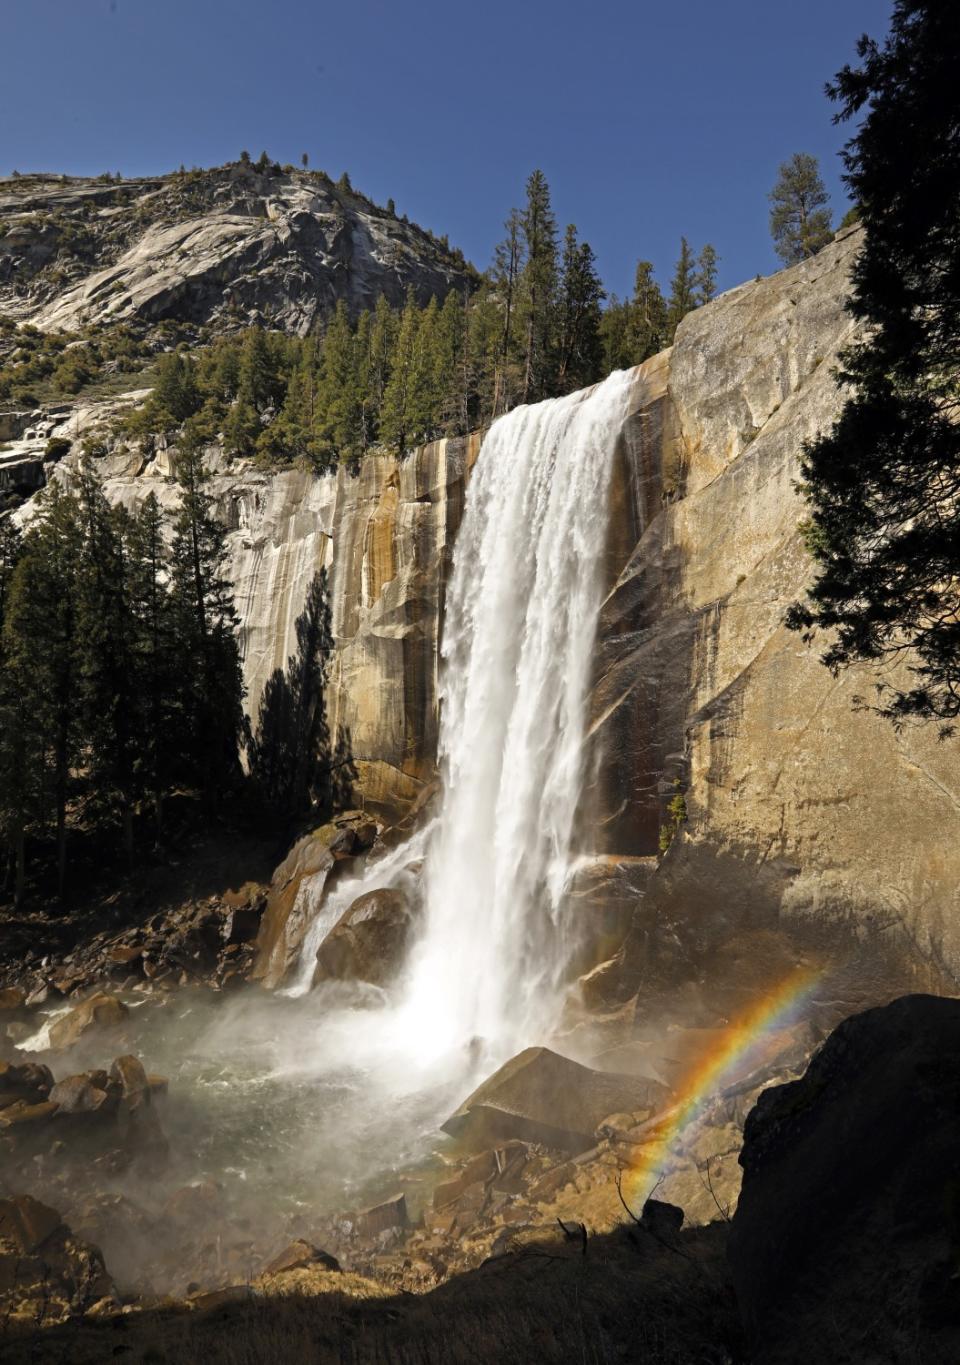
(676, 817)
(636, 329)
(707, 263)
(579, 346)
(57, 447)
(799, 218)
(684, 293)
(209, 688)
(119, 663)
(884, 483)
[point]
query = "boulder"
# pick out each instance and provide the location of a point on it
(128, 1073)
(296, 893)
(848, 1226)
(369, 942)
(26, 1223)
(390, 1216)
(46, 1274)
(100, 1011)
(82, 1095)
(13, 1000)
(300, 1255)
(20, 1114)
(28, 1081)
(661, 1220)
(143, 1136)
(540, 1096)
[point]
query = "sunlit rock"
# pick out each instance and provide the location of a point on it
(540, 1096)
(99, 1012)
(369, 942)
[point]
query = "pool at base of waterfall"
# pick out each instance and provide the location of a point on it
(271, 1133)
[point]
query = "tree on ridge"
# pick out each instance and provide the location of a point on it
(799, 217)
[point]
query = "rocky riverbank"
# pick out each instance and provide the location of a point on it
(869, 1221)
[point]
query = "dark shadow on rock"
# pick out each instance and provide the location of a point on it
(295, 763)
(846, 1242)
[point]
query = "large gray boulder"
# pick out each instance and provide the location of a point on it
(369, 942)
(844, 1245)
(539, 1096)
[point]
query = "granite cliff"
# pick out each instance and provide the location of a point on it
(802, 811)
(229, 246)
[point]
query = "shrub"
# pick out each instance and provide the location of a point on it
(57, 447)
(676, 816)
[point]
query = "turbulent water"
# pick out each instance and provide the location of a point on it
(521, 610)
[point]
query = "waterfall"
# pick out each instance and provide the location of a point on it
(519, 631)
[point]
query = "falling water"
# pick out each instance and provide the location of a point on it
(519, 631)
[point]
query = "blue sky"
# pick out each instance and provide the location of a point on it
(649, 119)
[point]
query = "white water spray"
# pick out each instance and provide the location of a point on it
(520, 626)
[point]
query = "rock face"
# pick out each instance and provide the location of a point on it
(230, 245)
(801, 811)
(851, 1194)
(298, 887)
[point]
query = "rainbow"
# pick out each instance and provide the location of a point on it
(738, 1045)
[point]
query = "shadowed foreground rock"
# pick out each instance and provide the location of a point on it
(46, 1273)
(846, 1242)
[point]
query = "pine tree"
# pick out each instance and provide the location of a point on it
(579, 344)
(884, 482)
(40, 646)
(339, 397)
(210, 688)
(175, 395)
(293, 435)
(538, 289)
(363, 387)
(154, 653)
(383, 330)
(683, 290)
(483, 357)
(10, 547)
(451, 380)
(799, 218)
(649, 309)
(258, 381)
(707, 263)
(425, 395)
(395, 424)
(508, 262)
(107, 711)
(615, 335)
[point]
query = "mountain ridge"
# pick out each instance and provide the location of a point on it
(222, 248)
